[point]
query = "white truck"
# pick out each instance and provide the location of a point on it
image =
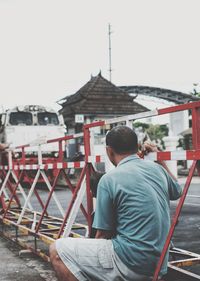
(31, 124)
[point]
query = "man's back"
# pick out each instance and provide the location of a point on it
(133, 201)
(132, 218)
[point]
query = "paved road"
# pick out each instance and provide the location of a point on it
(187, 231)
(27, 267)
(186, 236)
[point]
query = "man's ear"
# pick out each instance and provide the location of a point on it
(109, 151)
(111, 154)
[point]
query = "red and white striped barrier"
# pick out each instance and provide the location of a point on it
(50, 166)
(154, 156)
(12, 176)
(174, 155)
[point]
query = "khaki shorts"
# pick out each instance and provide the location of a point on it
(94, 259)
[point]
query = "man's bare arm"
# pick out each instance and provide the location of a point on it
(163, 163)
(150, 147)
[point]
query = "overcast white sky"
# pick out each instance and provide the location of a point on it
(50, 48)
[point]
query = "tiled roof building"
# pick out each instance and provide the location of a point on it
(97, 99)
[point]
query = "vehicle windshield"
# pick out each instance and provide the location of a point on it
(21, 118)
(47, 118)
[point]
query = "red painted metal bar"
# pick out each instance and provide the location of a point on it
(84, 211)
(196, 128)
(177, 108)
(163, 155)
(72, 188)
(2, 202)
(87, 143)
(36, 192)
(68, 182)
(40, 200)
(60, 151)
(13, 194)
(23, 146)
(47, 202)
(2, 199)
(10, 187)
(193, 154)
(72, 201)
(89, 198)
(175, 219)
(94, 124)
(68, 137)
(23, 156)
(88, 175)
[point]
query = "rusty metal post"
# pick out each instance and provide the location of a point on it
(88, 176)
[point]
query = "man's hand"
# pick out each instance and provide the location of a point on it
(3, 146)
(151, 147)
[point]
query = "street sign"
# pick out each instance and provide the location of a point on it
(79, 118)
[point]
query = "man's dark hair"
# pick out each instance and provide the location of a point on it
(122, 140)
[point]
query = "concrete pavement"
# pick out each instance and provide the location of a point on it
(16, 268)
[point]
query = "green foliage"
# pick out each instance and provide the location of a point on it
(196, 90)
(154, 132)
(157, 132)
(140, 124)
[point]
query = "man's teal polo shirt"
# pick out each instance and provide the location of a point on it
(133, 201)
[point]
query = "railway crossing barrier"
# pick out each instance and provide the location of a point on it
(37, 227)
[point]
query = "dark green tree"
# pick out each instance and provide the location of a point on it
(154, 132)
(195, 90)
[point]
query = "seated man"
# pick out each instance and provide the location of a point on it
(132, 218)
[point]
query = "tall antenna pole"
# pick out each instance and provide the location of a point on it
(110, 58)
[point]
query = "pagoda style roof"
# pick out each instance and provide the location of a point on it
(100, 97)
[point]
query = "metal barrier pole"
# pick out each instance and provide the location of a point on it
(13, 194)
(5, 182)
(28, 197)
(196, 128)
(22, 191)
(75, 208)
(47, 202)
(175, 219)
(72, 202)
(196, 145)
(88, 175)
(60, 208)
(72, 188)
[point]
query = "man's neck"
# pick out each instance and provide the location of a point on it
(120, 157)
